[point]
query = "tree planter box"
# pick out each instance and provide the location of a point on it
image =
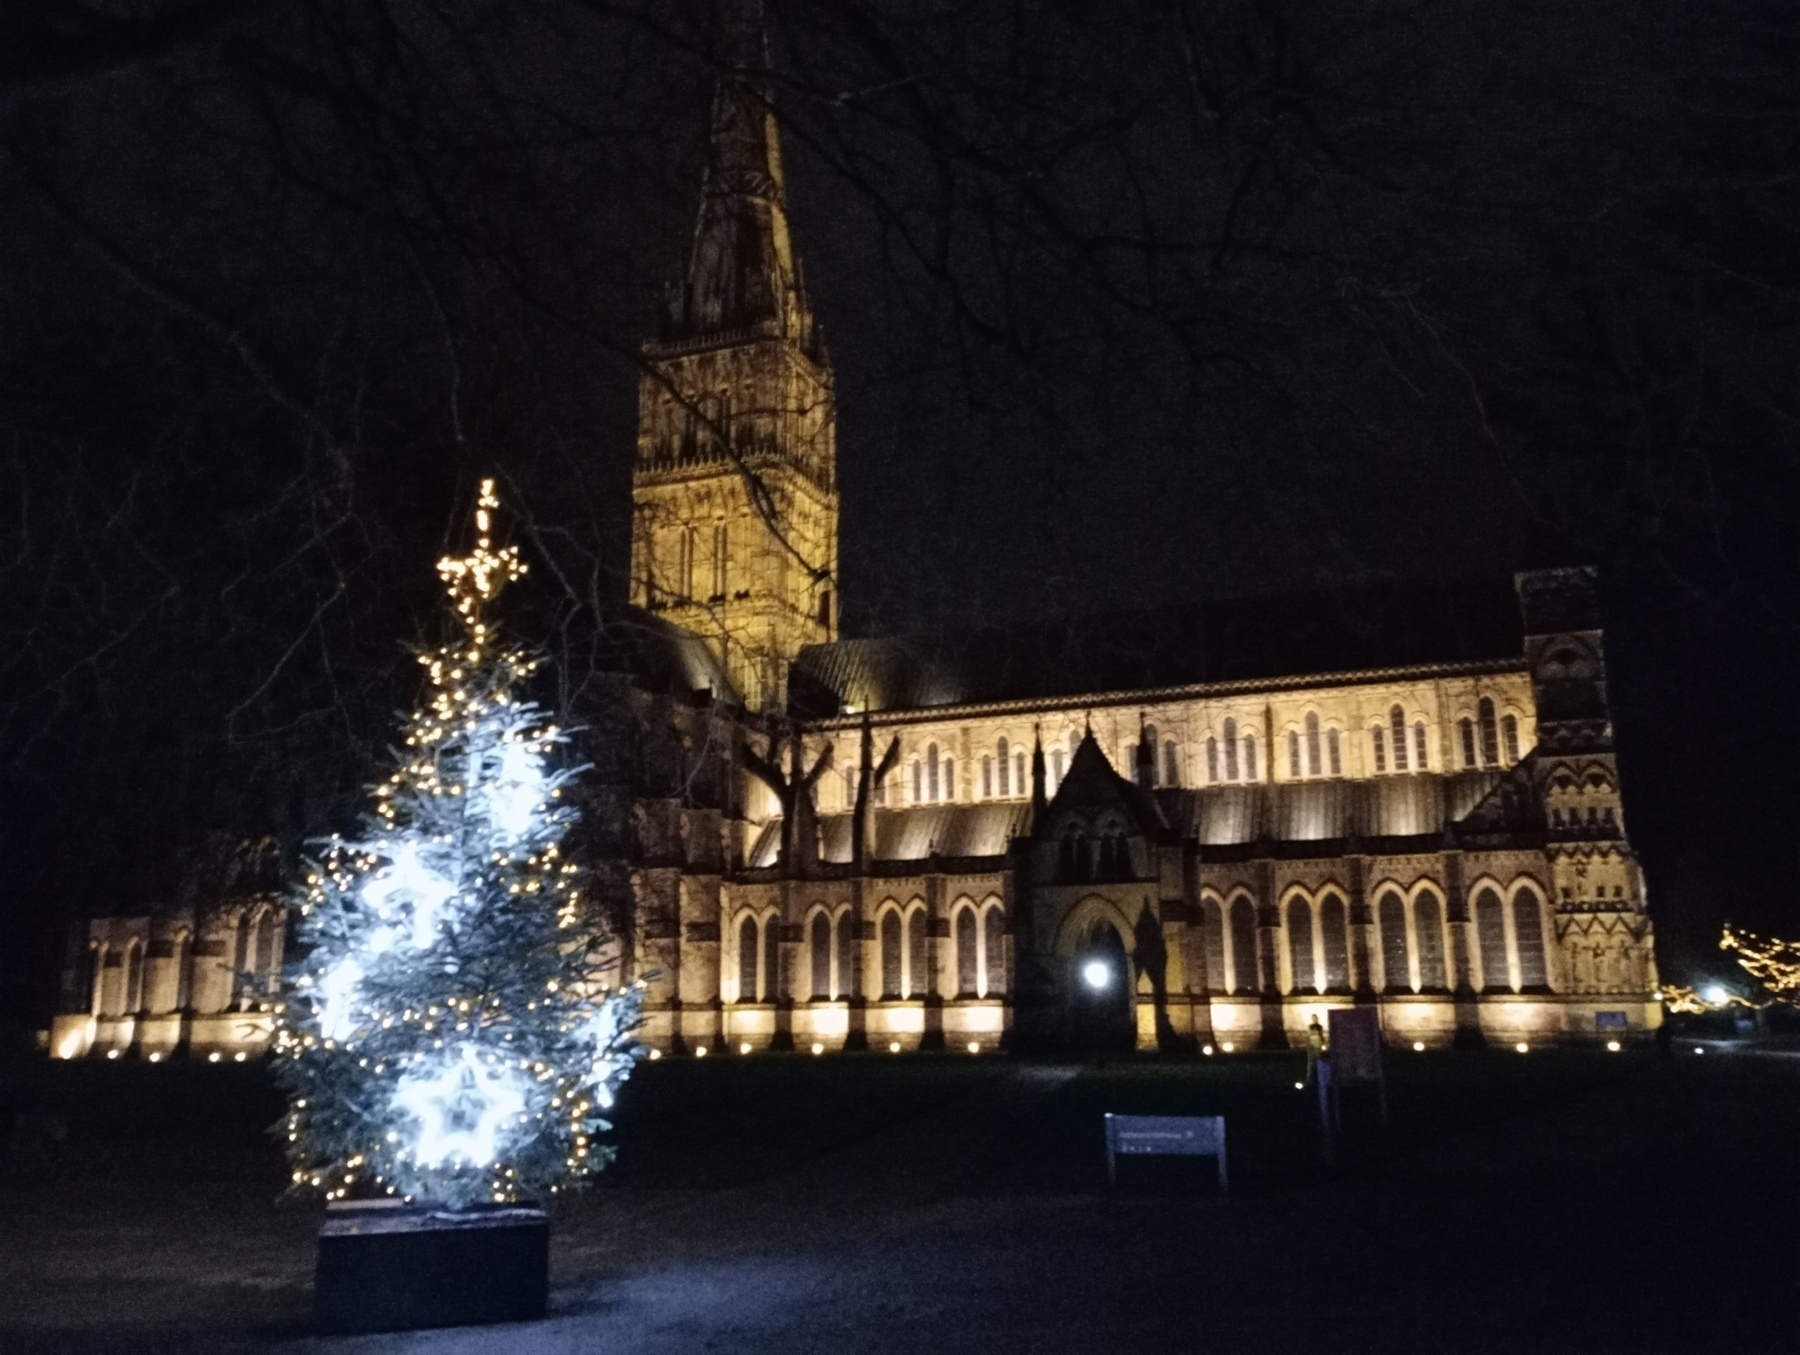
(392, 1267)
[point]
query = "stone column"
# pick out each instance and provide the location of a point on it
(937, 935)
(1362, 931)
(1268, 941)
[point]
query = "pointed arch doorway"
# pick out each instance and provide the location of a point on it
(1101, 1017)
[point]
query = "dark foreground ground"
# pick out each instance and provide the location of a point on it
(1552, 1202)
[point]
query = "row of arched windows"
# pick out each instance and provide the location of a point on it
(115, 979)
(1411, 942)
(829, 967)
(1313, 749)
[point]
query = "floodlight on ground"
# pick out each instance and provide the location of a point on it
(1299, 1086)
(1206, 1050)
(1699, 1049)
(744, 1048)
(701, 1052)
(655, 1054)
(1522, 1047)
(818, 1048)
(1613, 1046)
(1715, 993)
(156, 1057)
(213, 1057)
(974, 1046)
(1096, 974)
(1228, 1046)
(113, 1054)
(894, 1048)
(1418, 1046)
(239, 1057)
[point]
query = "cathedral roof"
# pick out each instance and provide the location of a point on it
(912, 834)
(1357, 629)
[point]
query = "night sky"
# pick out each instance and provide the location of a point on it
(1128, 303)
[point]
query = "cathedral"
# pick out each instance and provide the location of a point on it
(1188, 828)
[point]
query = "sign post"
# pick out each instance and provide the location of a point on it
(1180, 1135)
(1356, 1051)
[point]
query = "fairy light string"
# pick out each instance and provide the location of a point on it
(455, 1027)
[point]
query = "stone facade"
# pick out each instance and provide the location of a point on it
(197, 978)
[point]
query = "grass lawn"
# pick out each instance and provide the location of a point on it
(1559, 1200)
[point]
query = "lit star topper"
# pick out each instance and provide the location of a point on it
(462, 1108)
(473, 579)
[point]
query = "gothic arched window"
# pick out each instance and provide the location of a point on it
(993, 950)
(1314, 763)
(891, 954)
(1509, 733)
(1231, 749)
(1056, 769)
(968, 959)
(1171, 764)
(1467, 726)
(771, 968)
(721, 579)
(987, 776)
(1244, 978)
(949, 786)
(1334, 752)
(820, 948)
(749, 954)
(1490, 932)
(1397, 721)
(1390, 917)
(847, 984)
(1428, 922)
(1293, 743)
(917, 981)
(1335, 943)
(1212, 760)
(1212, 945)
(1490, 735)
(1002, 752)
(1378, 742)
(1300, 946)
(1421, 747)
(1250, 773)
(1528, 932)
(918, 780)
(931, 773)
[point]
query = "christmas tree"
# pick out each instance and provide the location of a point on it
(451, 1035)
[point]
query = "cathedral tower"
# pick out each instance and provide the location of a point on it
(735, 506)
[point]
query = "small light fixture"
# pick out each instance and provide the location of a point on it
(214, 1057)
(1418, 1046)
(974, 1047)
(1299, 1086)
(818, 1048)
(112, 1053)
(1699, 1049)
(156, 1057)
(1207, 1050)
(655, 1054)
(239, 1057)
(1715, 993)
(1096, 974)
(1613, 1046)
(894, 1048)
(1522, 1047)
(1228, 1046)
(744, 1048)
(702, 1052)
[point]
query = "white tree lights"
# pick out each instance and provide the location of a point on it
(450, 1035)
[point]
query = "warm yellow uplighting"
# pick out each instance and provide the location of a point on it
(1418, 1046)
(1206, 1050)
(1228, 1046)
(818, 1048)
(655, 1054)
(156, 1057)
(744, 1048)
(701, 1052)
(974, 1046)
(240, 1056)
(894, 1048)
(214, 1057)
(1613, 1046)
(112, 1053)
(1522, 1047)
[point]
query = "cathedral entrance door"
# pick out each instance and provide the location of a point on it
(1100, 1003)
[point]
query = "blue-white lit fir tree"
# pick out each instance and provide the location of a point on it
(454, 1030)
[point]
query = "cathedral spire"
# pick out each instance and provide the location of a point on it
(741, 276)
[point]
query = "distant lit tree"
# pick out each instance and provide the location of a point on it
(451, 1035)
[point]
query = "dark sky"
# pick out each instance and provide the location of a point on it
(1128, 302)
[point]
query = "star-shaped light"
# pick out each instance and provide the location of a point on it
(518, 791)
(462, 1108)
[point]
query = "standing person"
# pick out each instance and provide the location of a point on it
(1315, 1046)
